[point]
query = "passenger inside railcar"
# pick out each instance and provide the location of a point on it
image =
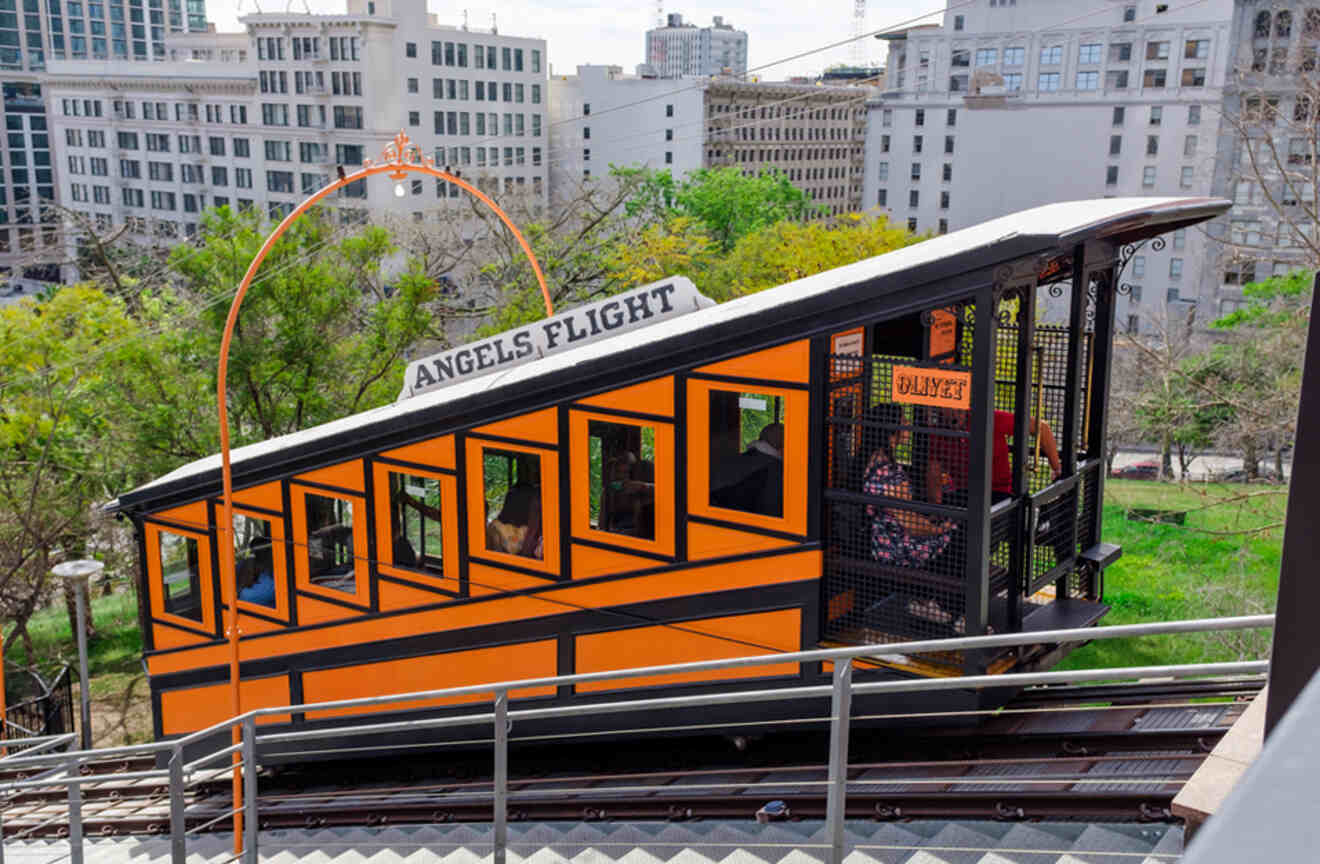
(623, 478)
(898, 537)
(256, 574)
(516, 529)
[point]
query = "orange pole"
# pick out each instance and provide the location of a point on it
(397, 169)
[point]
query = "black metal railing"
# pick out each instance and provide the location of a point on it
(51, 713)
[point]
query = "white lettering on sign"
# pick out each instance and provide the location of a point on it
(631, 310)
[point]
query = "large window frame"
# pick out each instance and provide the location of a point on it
(796, 408)
(205, 580)
(474, 465)
(580, 468)
(361, 595)
(448, 581)
(280, 564)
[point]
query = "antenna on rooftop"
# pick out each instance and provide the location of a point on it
(465, 19)
(858, 30)
(493, 27)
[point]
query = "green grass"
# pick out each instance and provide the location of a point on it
(113, 657)
(1214, 565)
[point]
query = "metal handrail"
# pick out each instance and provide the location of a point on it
(1080, 634)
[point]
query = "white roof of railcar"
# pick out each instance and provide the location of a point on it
(1059, 220)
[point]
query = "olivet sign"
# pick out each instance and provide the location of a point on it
(631, 310)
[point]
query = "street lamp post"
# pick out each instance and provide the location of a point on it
(79, 573)
(400, 158)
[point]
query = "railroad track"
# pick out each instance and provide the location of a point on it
(1050, 755)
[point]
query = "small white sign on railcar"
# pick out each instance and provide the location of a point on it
(630, 310)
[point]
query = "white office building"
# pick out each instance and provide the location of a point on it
(678, 49)
(264, 117)
(1017, 103)
(815, 135)
(1275, 70)
(33, 32)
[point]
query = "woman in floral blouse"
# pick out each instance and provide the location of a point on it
(899, 537)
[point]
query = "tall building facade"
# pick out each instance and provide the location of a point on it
(815, 135)
(1267, 149)
(34, 33)
(1017, 103)
(680, 49)
(263, 118)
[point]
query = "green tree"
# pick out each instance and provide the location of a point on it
(56, 408)
(323, 332)
(726, 202)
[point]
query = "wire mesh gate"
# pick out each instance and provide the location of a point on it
(895, 497)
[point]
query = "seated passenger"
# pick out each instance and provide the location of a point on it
(629, 496)
(899, 537)
(517, 528)
(404, 554)
(257, 575)
(754, 481)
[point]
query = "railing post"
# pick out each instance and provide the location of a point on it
(178, 841)
(75, 814)
(249, 790)
(500, 792)
(836, 800)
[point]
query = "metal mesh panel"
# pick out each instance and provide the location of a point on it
(895, 536)
(1054, 541)
(1005, 561)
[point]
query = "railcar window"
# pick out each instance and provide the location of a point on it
(747, 452)
(621, 462)
(415, 522)
(512, 480)
(180, 575)
(330, 543)
(254, 560)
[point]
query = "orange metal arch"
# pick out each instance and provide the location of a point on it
(397, 168)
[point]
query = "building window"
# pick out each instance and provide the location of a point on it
(1012, 81)
(669, 110)
(1175, 268)
(1186, 179)
(1120, 52)
(1157, 50)
(882, 198)
(1088, 80)
(884, 143)
(914, 198)
(1089, 53)
(948, 143)
(1139, 266)
(912, 224)
(746, 455)
(882, 172)
(1051, 56)
(511, 480)
(1193, 115)
(1148, 176)
(1015, 56)
(1156, 115)
(951, 118)
(1048, 82)
(947, 174)
(944, 226)
(410, 49)
(1152, 145)
(1154, 79)
(1180, 238)
(1193, 78)
(916, 143)
(887, 117)
(1115, 144)
(958, 22)
(1111, 175)
(180, 575)
(916, 170)
(1119, 115)
(986, 56)
(944, 200)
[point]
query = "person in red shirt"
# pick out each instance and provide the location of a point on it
(946, 471)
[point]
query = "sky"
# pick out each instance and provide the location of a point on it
(586, 32)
